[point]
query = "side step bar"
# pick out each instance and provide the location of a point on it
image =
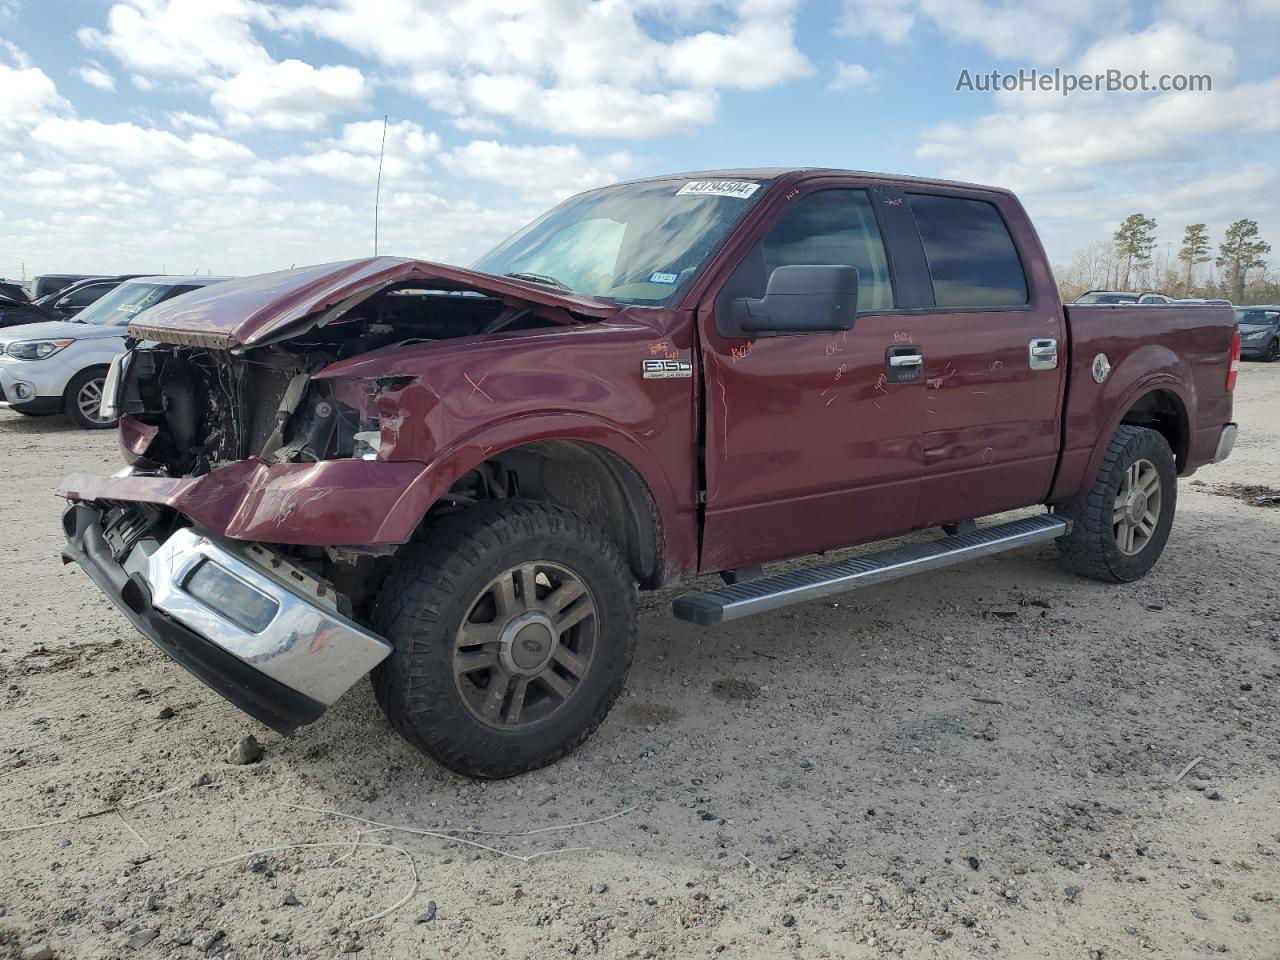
(734, 601)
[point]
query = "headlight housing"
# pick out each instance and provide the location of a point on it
(36, 349)
(1256, 335)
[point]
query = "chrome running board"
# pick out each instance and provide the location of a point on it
(734, 601)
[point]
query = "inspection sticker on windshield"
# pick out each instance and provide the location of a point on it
(663, 277)
(718, 188)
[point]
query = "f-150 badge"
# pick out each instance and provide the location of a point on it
(666, 369)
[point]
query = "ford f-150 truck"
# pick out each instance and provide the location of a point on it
(455, 478)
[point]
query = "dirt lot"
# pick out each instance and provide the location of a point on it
(979, 762)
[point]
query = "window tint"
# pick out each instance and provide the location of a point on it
(972, 259)
(84, 296)
(834, 227)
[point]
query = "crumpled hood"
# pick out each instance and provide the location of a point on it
(58, 330)
(272, 306)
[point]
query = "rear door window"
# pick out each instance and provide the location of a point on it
(972, 258)
(84, 296)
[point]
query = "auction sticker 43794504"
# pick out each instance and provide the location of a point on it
(719, 188)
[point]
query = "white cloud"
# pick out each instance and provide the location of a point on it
(1038, 31)
(542, 173)
(353, 156)
(129, 145)
(182, 120)
(93, 74)
(750, 58)
(1163, 48)
(585, 69)
(597, 110)
(1222, 16)
(180, 38)
(852, 76)
(194, 180)
(890, 20)
(211, 44)
(29, 95)
(290, 95)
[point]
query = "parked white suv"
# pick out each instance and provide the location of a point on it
(60, 366)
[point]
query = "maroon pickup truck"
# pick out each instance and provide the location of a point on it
(455, 478)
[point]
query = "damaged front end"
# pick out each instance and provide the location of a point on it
(248, 537)
(191, 408)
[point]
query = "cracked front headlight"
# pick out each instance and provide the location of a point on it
(36, 349)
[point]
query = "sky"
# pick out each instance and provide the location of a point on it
(237, 136)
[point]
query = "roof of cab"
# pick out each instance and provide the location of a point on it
(805, 173)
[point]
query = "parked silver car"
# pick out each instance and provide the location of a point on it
(60, 366)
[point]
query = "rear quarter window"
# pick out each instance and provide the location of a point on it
(972, 258)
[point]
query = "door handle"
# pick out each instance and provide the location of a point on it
(1042, 354)
(904, 364)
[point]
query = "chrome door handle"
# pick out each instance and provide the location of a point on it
(906, 360)
(1042, 354)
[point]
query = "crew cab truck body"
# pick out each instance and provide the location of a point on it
(454, 478)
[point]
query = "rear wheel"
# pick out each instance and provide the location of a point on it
(512, 630)
(83, 397)
(1120, 526)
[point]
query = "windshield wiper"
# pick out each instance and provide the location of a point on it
(539, 278)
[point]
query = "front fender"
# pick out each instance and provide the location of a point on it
(675, 514)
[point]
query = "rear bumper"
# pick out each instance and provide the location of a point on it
(284, 671)
(1226, 442)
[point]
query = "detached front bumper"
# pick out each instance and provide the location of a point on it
(262, 633)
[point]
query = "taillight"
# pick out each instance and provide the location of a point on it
(1234, 369)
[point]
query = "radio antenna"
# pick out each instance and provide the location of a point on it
(377, 194)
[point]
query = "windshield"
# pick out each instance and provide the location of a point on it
(1265, 317)
(634, 243)
(122, 304)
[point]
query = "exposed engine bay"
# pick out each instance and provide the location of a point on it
(210, 407)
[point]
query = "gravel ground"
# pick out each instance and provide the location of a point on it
(977, 762)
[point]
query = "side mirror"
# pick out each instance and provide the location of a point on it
(803, 298)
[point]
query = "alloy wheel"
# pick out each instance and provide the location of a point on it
(89, 401)
(526, 645)
(1137, 507)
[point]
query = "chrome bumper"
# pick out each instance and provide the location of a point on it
(305, 644)
(1226, 443)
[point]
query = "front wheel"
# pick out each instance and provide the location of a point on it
(1272, 352)
(512, 631)
(83, 397)
(1120, 526)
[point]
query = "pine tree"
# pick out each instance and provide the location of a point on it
(1195, 251)
(1134, 241)
(1241, 251)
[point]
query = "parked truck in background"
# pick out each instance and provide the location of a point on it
(455, 478)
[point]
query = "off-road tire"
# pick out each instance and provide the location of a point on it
(432, 588)
(71, 407)
(1091, 549)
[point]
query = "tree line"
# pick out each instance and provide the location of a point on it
(1129, 261)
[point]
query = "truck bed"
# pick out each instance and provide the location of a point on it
(1184, 349)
